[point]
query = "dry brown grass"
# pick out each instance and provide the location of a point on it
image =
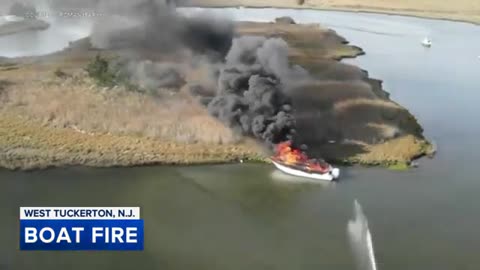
(400, 150)
(397, 150)
(27, 144)
(308, 43)
(77, 103)
(68, 120)
(463, 10)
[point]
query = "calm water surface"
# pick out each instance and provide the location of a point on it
(54, 38)
(251, 217)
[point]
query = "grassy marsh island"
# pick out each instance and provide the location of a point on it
(53, 113)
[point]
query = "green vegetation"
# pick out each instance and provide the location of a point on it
(99, 69)
(109, 73)
(257, 158)
(400, 166)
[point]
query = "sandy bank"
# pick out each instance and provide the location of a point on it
(462, 10)
(68, 120)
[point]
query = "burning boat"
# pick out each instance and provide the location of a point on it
(293, 161)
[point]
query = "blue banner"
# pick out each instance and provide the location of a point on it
(81, 234)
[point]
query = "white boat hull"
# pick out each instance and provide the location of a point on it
(332, 174)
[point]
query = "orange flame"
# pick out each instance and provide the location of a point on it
(287, 154)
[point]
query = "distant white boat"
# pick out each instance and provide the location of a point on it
(426, 42)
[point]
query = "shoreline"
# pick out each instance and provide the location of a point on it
(386, 12)
(28, 145)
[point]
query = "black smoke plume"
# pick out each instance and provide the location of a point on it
(154, 26)
(253, 74)
(148, 31)
(252, 89)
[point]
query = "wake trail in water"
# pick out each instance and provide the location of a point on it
(361, 240)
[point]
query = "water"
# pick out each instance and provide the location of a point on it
(248, 217)
(54, 38)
